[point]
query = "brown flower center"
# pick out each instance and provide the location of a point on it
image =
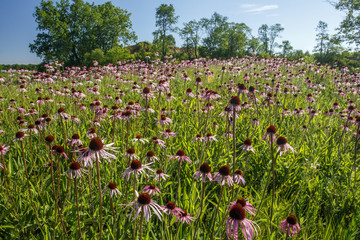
(237, 212)
(96, 144)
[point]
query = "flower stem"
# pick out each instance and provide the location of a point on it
(216, 213)
(201, 208)
(77, 207)
(100, 193)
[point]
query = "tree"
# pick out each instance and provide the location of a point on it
(190, 33)
(275, 31)
(234, 39)
(322, 38)
(349, 29)
(263, 33)
(69, 30)
(286, 48)
(165, 21)
(267, 36)
(214, 28)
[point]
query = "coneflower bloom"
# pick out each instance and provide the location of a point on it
(30, 128)
(145, 204)
(247, 145)
(283, 146)
(159, 174)
(4, 149)
(223, 176)
(234, 103)
(159, 142)
(91, 133)
(114, 191)
(19, 136)
(180, 156)
(150, 156)
(151, 189)
(170, 208)
(290, 226)
(247, 206)
(237, 216)
(203, 173)
(238, 178)
(75, 170)
(97, 150)
(184, 217)
(168, 133)
(189, 92)
(130, 153)
(270, 131)
(61, 112)
(138, 138)
(137, 168)
(59, 150)
(74, 140)
(164, 120)
(146, 93)
(209, 137)
(199, 138)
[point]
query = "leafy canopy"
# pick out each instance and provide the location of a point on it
(69, 30)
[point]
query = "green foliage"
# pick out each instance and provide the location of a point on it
(224, 39)
(165, 21)
(69, 30)
(350, 27)
(267, 36)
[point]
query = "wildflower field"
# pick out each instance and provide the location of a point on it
(245, 148)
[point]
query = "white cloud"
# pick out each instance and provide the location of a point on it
(263, 8)
(247, 5)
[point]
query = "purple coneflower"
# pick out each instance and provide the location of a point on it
(247, 206)
(168, 133)
(164, 120)
(151, 189)
(74, 140)
(180, 156)
(170, 208)
(4, 149)
(59, 150)
(159, 174)
(234, 103)
(237, 216)
(199, 138)
(247, 145)
(223, 176)
(114, 191)
(203, 173)
(130, 153)
(159, 142)
(137, 168)
(209, 137)
(75, 170)
(91, 133)
(97, 149)
(270, 131)
(238, 178)
(150, 156)
(290, 226)
(283, 146)
(138, 138)
(184, 217)
(146, 204)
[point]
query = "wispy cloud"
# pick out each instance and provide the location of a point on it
(261, 9)
(247, 5)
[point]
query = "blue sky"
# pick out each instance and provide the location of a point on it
(298, 17)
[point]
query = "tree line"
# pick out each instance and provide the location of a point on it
(78, 32)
